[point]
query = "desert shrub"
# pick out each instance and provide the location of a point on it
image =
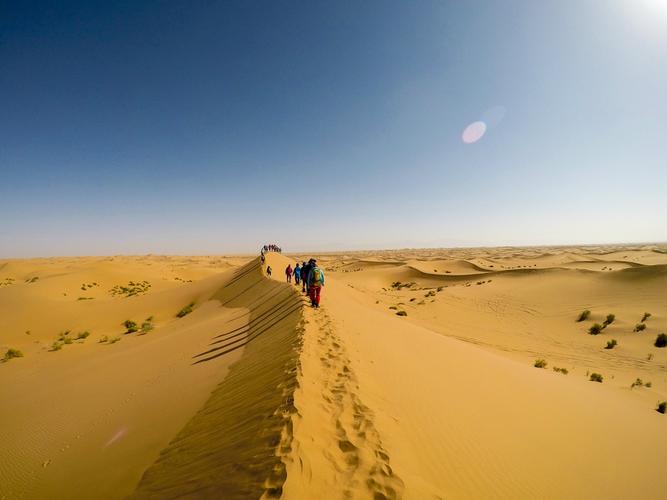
(401, 313)
(596, 377)
(661, 340)
(83, 335)
(648, 384)
(68, 340)
(430, 294)
(397, 285)
(150, 319)
(662, 407)
(132, 288)
(564, 371)
(186, 310)
(413, 299)
(540, 363)
(645, 317)
(113, 340)
(596, 329)
(393, 307)
(639, 327)
(441, 288)
(611, 344)
(584, 315)
(608, 320)
(637, 383)
(130, 326)
(146, 327)
(12, 353)
(104, 339)
(56, 346)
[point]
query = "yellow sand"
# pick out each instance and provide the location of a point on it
(350, 400)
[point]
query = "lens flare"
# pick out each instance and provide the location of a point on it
(474, 132)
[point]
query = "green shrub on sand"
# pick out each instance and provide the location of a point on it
(583, 316)
(595, 329)
(11, 354)
(130, 326)
(186, 310)
(611, 344)
(608, 320)
(540, 363)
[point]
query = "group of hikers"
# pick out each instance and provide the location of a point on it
(311, 278)
(307, 274)
(271, 248)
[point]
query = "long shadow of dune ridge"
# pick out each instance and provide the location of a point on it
(232, 447)
(265, 316)
(253, 332)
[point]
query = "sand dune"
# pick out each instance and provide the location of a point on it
(459, 422)
(233, 443)
(252, 395)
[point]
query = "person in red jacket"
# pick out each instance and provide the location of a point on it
(288, 273)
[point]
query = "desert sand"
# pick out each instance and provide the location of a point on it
(415, 379)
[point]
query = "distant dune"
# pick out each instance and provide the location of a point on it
(201, 377)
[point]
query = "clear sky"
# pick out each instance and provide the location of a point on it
(214, 126)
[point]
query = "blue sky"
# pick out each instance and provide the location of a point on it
(214, 126)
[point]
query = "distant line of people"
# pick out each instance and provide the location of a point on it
(311, 278)
(271, 248)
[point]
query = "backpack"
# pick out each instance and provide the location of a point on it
(316, 275)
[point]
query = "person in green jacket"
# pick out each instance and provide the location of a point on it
(315, 283)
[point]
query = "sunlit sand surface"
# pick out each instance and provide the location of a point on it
(415, 379)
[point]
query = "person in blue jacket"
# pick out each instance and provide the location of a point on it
(297, 274)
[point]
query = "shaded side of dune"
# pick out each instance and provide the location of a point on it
(640, 273)
(231, 448)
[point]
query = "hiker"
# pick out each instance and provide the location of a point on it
(315, 283)
(263, 258)
(297, 274)
(304, 277)
(288, 273)
(268, 271)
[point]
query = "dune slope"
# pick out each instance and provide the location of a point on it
(404, 412)
(232, 446)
